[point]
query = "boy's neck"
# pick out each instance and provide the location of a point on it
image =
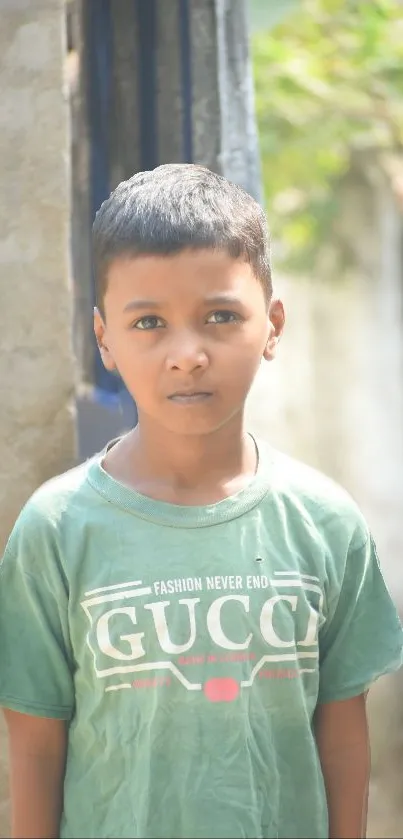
(184, 469)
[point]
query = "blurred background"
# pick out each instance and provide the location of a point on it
(299, 101)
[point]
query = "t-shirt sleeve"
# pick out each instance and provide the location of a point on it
(363, 638)
(36, 662)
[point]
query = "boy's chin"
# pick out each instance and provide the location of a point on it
(192, 426)
(193, 429)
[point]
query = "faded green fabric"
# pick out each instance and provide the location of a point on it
(189, 646)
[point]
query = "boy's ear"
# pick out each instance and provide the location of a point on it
(276, 319)
(100, 334)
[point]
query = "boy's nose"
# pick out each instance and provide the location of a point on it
(187, 355)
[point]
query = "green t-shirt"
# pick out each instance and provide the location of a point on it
(189, 647)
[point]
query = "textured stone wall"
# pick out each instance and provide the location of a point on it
(37, 437)
(36, 366)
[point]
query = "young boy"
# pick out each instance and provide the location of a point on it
(190, 621)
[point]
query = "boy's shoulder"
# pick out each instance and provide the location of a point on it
(59, 497)
(314, 496)
(291, 475)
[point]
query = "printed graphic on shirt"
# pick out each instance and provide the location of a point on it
(212, 634)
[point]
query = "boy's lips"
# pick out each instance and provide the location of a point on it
(189, 397)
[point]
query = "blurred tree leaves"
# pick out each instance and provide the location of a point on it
(329, 85)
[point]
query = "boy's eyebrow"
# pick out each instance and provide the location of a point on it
(223, 299)
(213, 300)
(141, 304)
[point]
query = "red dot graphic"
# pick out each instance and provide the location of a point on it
(221, 690)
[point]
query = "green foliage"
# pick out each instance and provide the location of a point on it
(329, 84)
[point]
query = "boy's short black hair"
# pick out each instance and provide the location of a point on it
(177, 207)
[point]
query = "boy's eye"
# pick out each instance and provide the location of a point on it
(223, 317)
(149, 322)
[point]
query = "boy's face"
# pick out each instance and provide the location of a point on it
(187, 334)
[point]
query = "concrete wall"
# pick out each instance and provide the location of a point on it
(36, 368)
(37, 437)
